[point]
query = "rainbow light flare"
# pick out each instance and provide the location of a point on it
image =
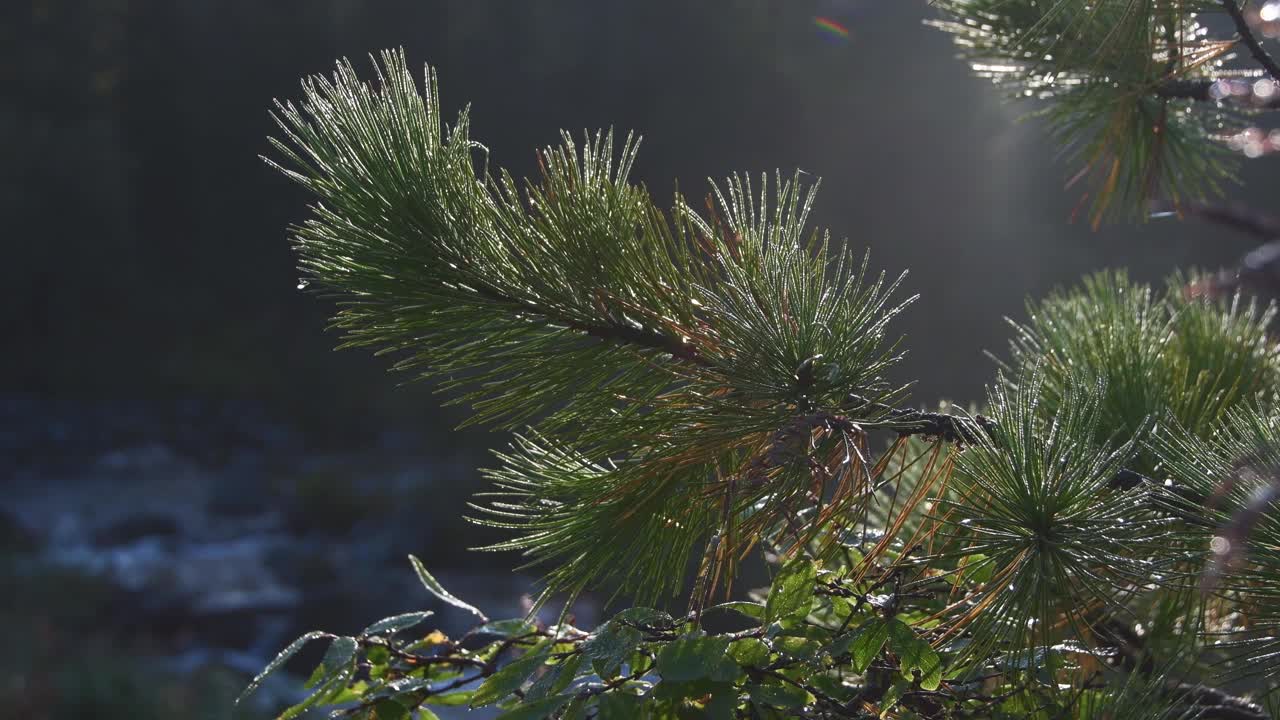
(831, 27)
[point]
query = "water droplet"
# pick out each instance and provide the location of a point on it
(302, 284)
(1220, 545)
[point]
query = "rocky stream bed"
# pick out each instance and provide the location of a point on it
(195, 540)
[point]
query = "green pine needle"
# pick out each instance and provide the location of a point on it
(1153, 354)
(1035, 501)
(1226, 484)
(1102, 65)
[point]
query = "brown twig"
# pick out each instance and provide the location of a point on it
(1250, 40)
(1235, 216)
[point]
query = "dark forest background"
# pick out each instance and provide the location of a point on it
(145, 247)
(147, 274)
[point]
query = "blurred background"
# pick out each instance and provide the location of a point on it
(192, 477)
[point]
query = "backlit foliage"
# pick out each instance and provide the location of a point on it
(698, 386)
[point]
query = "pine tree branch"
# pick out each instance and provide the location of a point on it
(907, 422)
(646, 338)
(1246, 34)
(1236, 216)
(1214, 704)
(1259, 269)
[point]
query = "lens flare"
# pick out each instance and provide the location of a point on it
(831, 28)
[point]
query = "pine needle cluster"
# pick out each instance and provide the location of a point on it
(1152, 355)
(1136, 92)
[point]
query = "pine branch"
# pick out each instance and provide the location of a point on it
(1261, 226)
(908, 422)
(1212, 703)
(1107, 71)
(1251, 41)
(1259, 269)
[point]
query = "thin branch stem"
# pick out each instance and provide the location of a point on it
(1246, 34)
(1262, 226)
(948, 427)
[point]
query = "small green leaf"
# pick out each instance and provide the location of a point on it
(352, 692)
(667, 690)
(749, 652)
(755, 611)
(508, 679)
(797, 647)
(405, 685)
(457, 697)
(833, 687)
(866, 642)
(333, 687)
(435, 588)
(692, 658)
(723, 704)
(609, 646)
(335, 671)
(279, 660)
(577, 709)
(315, 678)
(506, 628)
(792, 589)
(646, 617)
(339, 655)
(396, 623)
(976, 568)
(378, 655)
(536, 709)
(890, 699)
(390, 710)
(783, 696)
(619, 706)
(915, 654)
(556, 679)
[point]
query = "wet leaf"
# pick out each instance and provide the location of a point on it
(915, 654)
(609, 647)
(863, 644)
(645, 617)
(434, 586)
(536, 709)
(390, 710)
(278, 661)
(619, 706)
(792, 590)
(396, 623)
(755, 611)
(450, 699)
(556, 679)
(339, 655)
(783, 696)
(749, 652)
(692, 658)
(508, 679)
(890, 699)
(506, 628)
